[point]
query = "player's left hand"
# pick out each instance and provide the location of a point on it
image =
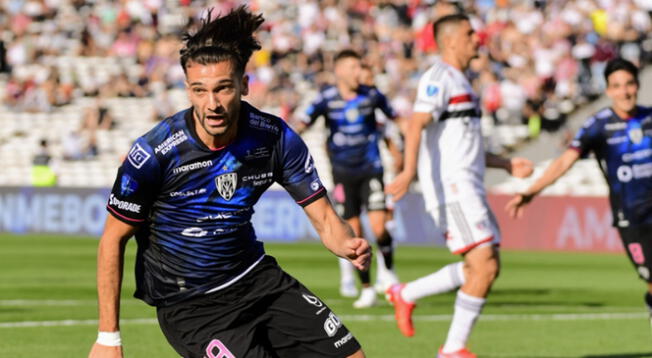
(359, 253)
(520, 167)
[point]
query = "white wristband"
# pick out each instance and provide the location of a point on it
(111, 339)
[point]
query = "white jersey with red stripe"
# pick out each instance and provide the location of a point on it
(451, 156)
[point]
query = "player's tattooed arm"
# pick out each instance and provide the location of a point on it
(337, 235)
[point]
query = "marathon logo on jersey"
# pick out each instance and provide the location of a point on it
(617, 140)
(192, 166)
(342, 341)
(127, 185)
(332, 324)
(171, 142)
(124, 205)
(263, 123)
(138, 156)
(226, 184)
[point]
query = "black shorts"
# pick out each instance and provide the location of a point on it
(267, 313)
(352, 193)
(638, 244)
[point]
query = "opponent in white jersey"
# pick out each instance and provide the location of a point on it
(452, 161)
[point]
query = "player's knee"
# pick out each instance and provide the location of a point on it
(486, 271)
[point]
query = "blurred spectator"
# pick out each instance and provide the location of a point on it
(42, 172)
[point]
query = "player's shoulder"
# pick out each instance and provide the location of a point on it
(599, 118)
(173, 125)
(369, 91)
(263, 123)
(328, 92)
(439, 71)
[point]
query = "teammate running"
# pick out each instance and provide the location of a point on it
(451, 168)
(187, 191)
(621, 139)
(349, 110)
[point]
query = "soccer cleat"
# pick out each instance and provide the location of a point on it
(348, 289)
(367, 298)
(385, 280)
(462, 353)
(402, 309)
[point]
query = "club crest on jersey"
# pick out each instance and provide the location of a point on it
(635, 135)
(226, 184)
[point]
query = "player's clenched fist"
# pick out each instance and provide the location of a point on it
(359, 253)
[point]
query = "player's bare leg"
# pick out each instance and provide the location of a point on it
(481, 267)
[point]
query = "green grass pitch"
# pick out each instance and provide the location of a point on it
(543, 305)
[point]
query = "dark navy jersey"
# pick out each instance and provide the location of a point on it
(623, 148)
(354, 132)
(194, 205)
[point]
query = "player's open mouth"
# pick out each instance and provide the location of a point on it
(215, 120)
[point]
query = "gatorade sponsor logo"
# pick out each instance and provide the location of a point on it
(123, 205)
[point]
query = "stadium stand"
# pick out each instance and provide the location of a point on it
(90, 76)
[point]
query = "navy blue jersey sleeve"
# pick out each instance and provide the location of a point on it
(298, 174)
(316, 109)
(135, 186)
(587, 137)
(383, 104)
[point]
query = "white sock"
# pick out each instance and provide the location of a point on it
(467, 311)
(446, 279)
(346, 271)
(381, 269)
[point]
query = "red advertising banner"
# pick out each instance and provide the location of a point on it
(559, 223)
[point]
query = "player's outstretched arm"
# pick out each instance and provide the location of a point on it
(110, 258)
(337, 235)
(517, 167)
(400, 185)
(555, 170)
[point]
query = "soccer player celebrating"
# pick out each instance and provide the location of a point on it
(187, 190)
(451, 169)
(349, 110)
(621, 139)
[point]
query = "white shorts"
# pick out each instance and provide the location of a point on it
(467, 223)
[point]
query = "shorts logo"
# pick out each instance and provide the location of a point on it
(138, 156)
(332, 324)
(222, 351)
(127, 185)
(226, 184)
(313, 300)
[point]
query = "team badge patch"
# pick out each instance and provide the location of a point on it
(432, 90)
(226, 184)
(138, 156)
(127, 185)
(635, 135)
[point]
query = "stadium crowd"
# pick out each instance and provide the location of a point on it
(540, 60)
